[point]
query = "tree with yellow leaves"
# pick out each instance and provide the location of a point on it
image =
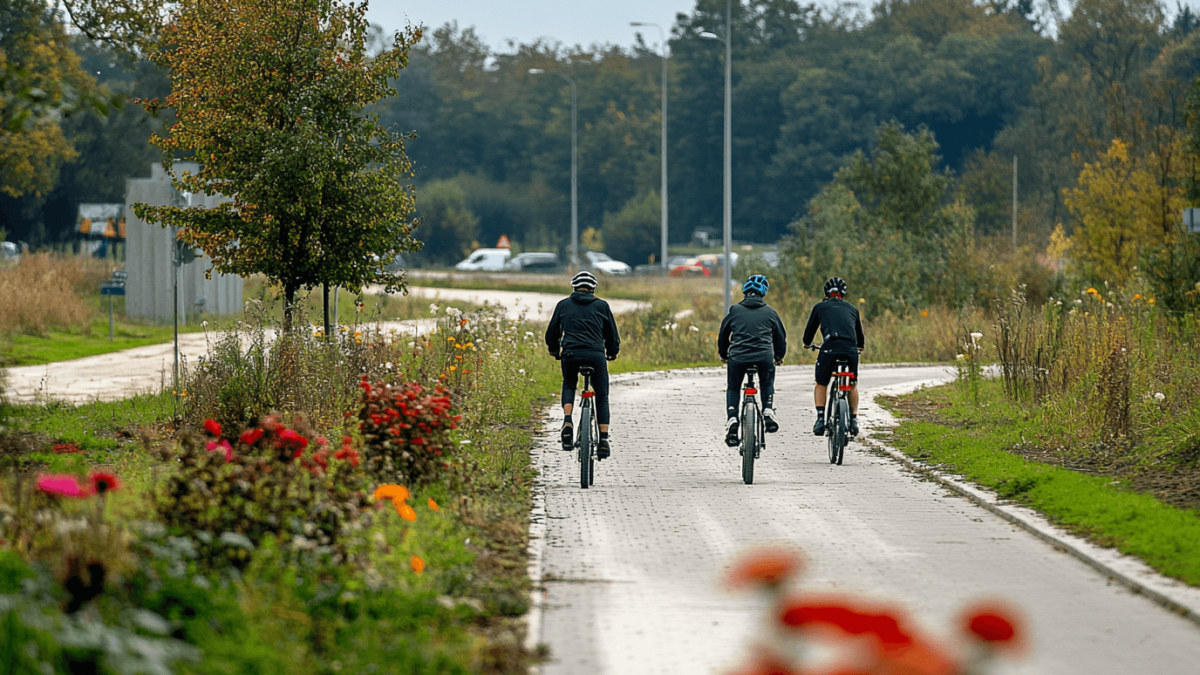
(1122, 210)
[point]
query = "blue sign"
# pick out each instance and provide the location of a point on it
(112, 289)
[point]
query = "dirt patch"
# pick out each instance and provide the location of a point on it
(1171, 483)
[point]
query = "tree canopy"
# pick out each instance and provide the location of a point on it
(269, 98)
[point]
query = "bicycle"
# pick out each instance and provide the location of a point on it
(752, 427)
(837, 409)
(589, 432)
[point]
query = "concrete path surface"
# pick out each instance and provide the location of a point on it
(122, 374)
(631, 568)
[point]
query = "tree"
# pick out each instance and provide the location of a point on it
(40, 83)
(1121, 211)
(635, 232)
(899, 183)
(446, 227)
(269, 98)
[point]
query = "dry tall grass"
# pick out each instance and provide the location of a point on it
(46, 291)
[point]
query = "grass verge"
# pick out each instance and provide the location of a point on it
(984, 444)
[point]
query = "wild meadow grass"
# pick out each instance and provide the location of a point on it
(44, 291)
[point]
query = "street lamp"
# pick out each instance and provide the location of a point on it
(663, 36)
(574, 171)
(728, 216)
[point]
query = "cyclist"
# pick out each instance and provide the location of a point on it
(582, 332)
(751, 335)
(842, 333)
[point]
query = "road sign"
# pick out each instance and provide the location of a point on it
(503, 242)
(107, 288)
(1191, 220)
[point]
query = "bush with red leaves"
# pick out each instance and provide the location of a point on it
(406, 430)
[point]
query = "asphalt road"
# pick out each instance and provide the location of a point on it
(631, 567)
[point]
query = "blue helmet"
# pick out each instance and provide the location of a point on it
(757, 283)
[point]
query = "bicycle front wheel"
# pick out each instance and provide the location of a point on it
(831, 432)
(844, 425)
(585, 447)
(750, 435)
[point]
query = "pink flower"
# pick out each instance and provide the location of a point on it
(221, 445)
(63, 485)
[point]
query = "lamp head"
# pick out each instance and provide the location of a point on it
(710, 36)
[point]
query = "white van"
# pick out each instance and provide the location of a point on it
(486, 259)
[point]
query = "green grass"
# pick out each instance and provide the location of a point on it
(975, 441)
(93, 427)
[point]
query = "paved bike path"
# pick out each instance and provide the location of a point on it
(631, 567)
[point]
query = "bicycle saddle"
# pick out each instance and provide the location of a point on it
(586, 370)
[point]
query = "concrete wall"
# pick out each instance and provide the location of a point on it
(148, 259)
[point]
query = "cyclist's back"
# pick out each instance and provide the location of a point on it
(583, 333)
(751, 334)
(842, 340)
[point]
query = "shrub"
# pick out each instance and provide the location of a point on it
(407, 431)
(272, 480)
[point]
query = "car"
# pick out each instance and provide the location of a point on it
(604, 264)
(688, 267)
(486, 259)
(534, 262)
(9, 254)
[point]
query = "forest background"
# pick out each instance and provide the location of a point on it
(1092, 101)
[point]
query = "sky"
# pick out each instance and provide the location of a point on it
(568, 21)
(572, 22)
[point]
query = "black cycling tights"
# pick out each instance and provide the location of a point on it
(570, 372)
(737, 375)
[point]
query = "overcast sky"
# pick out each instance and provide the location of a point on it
(571, 22)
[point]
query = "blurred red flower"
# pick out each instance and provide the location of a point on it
(251, 436)
(212, 427)
(994, 624)
(63, 485)
(103, 481)
(766, 566)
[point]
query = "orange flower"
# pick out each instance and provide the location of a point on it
(924, 312)
(392, 492)
(406, 512)
(434, 505)
(418, 565)
(767, 566)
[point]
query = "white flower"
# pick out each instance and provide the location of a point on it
(204, 324)
(528, 333)
(388, 365)
(694, 329)
(960, 357)
(1078, 301)
(433, 308)
(1159, 395)
(976, 335)
(411, 344)
(521, 371)
(464, 442)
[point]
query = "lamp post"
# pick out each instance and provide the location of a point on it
(663, 36)
(574, 171)
(728, 215)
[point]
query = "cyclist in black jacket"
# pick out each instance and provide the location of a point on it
(751, 334)
(842, 335)
(583, 332)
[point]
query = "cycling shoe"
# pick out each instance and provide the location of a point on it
(731, 433)
(819, 427)
(770, 423)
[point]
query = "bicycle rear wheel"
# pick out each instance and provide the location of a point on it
(831, 429)
(595, 435)
(585, 447)
(750, 434)
(844, 425)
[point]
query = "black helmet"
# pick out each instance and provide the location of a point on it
(835, 285)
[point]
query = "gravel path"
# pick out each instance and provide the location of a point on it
(631, 566)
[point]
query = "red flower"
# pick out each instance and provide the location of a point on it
(212, 427)
(346, 440)
(102, 482)
(251, 436)
(769, 567)
(994, 624)
(223, 446)
(293, 441)
(66, 449)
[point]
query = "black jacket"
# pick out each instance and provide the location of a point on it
(583, 323)
(838, 321)
(752, 331)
